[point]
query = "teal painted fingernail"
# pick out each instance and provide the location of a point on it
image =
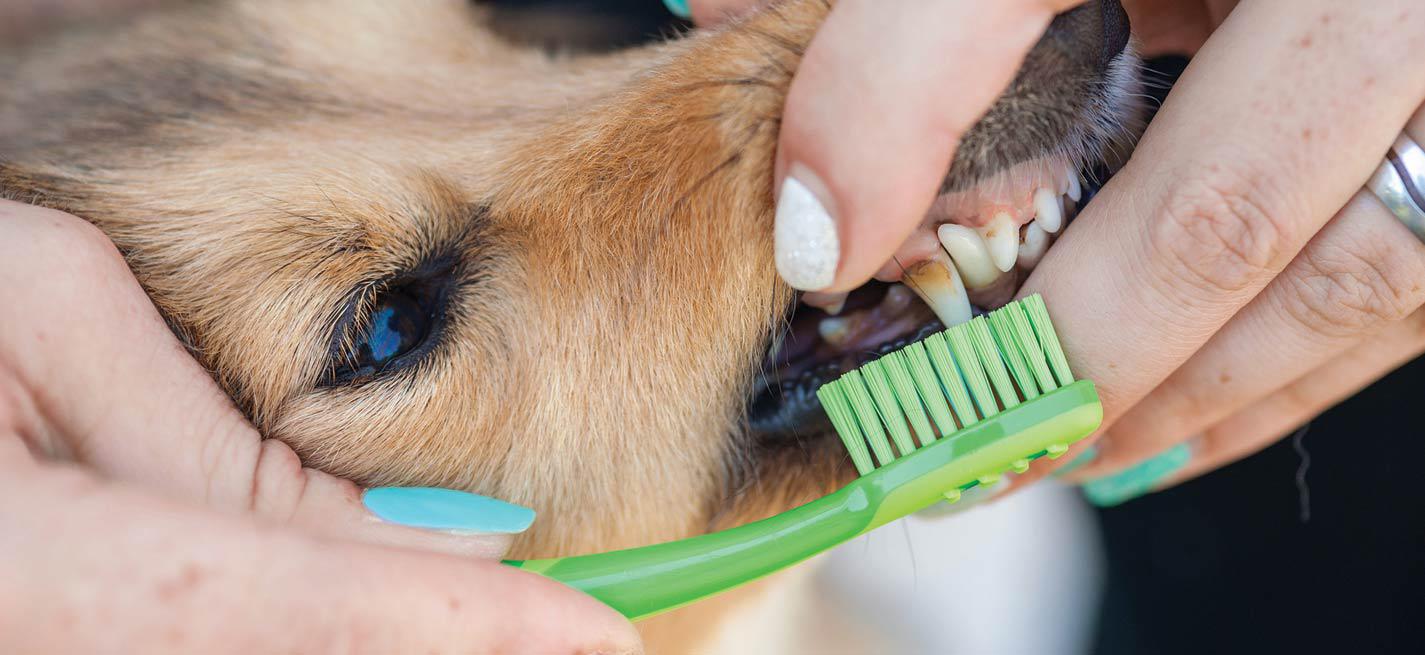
(679, 8)
(1078, 462)
(1126, 485)
(446, 509)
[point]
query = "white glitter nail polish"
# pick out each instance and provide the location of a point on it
(805, 239)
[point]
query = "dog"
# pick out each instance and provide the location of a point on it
(421, 253)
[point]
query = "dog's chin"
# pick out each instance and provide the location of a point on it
(821, 339)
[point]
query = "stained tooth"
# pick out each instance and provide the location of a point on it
(1048, 216)
(967, 249)
(1036, 243)
(938, 284)
(897, 298)
(1002, 238)
(834, 330)
(1075, 191)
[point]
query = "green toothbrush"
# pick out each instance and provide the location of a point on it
(940, 416)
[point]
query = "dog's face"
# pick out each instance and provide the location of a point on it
(421, 255)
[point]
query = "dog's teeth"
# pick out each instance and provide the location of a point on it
(835, 330)
(967, 249)
(1002, 238)
(897, 299)
(831, 303)
(1075, 191)
(938, 284)
(1036, 243)
(1048, 215)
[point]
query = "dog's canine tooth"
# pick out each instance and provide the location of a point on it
(1036, 243)
(1001, 236)
(1049, 216)
(1075, 191)
(972, 258)
(936, 281)
(835, 330)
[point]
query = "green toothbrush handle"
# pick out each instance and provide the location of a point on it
(641, 582)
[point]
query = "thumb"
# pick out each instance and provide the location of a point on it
(110, 386)
(872, 121)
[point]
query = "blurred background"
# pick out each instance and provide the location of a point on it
(1237, 561)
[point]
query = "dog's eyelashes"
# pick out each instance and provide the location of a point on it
(397, 327)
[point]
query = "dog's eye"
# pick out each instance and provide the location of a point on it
(400, 326)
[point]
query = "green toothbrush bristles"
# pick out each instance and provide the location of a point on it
(945, 382)
(949, 374)
(864, 409)
(838, 409)
(928, 389)
(1048, 339)
(1013, 352)
(904, 387)
(993, 364)
(967, 360)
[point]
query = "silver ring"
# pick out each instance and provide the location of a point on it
(1399, 181)
(1410, 163)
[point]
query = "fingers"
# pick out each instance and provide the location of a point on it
(90, 372)
(1357, 275)
(112, 566)
(1194, 227)
(872, 119)
(1279, 414)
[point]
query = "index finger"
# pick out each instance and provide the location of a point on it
(872, 120)
(1278, 121)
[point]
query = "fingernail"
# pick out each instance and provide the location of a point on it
(446, 509)
(1077, 463)
(1139, 480)
(805, 239)
(679, 8)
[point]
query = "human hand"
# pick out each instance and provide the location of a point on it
(880, 101)
(873, 115)
(1234, 280)
(141, 511)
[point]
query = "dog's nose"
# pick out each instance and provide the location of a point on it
(1092, 33)
(1115, 30)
